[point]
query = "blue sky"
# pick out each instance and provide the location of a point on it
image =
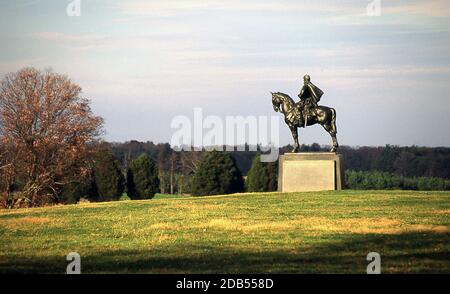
(143, 62)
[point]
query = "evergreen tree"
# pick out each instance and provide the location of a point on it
(262, 177)
(217, 173)
(142, 178)
(83, 188)
(108, 177)
(385, 162)
(130, 185)
(272, 172)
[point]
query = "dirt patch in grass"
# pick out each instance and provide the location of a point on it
(31, 221)
(235, 225)
(349, 225)
(367, 226)
(323, 225)
(162, 226)
(191, 206)
(444, 211)
(428, 228)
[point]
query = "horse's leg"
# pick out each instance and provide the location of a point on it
(330, 127)
(294, 132)
(335, 142)
(334, 130)
(330, 131)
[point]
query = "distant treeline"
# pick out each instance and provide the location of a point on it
(376, 180)
(409, 165)
(403, 161)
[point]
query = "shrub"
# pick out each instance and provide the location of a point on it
(217, 173)
(142, 178)
(109, 179)
(262, 176)
(74, 191)
(376, 180)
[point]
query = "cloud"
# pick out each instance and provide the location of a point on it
(344, 8)
(418, 15)
(24, 4)
(399, 12)
(191, 83)
(188, 63)
(57, 36)
(207, 51)
(72, 41)
(428, 8)
(173, 7)
(14, 65)
(89, 41)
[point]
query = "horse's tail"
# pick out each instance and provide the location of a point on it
(333, 120)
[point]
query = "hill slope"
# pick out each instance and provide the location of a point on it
(323, 232)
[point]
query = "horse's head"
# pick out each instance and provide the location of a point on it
(276, 101)
(281, 101)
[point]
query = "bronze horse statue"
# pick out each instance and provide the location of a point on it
(323, 115)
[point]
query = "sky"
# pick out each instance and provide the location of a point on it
(141, 63)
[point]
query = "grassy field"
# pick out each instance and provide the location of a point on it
(326, 232)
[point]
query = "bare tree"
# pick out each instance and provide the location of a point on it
(45, 131)
(173, 168)
(187, 164)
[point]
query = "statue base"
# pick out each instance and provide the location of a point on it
(300, 172)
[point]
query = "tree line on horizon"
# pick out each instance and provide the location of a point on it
(404, 161)
(176, 168)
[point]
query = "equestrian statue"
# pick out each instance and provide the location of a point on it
(306, 112)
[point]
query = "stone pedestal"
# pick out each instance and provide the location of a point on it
(314, 171)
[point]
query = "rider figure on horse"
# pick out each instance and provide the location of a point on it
(309, 96)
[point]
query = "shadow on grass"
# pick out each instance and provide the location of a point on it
(400, 253)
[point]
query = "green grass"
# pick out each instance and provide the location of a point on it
(168, 196)
(325, 232)
(157, 196)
